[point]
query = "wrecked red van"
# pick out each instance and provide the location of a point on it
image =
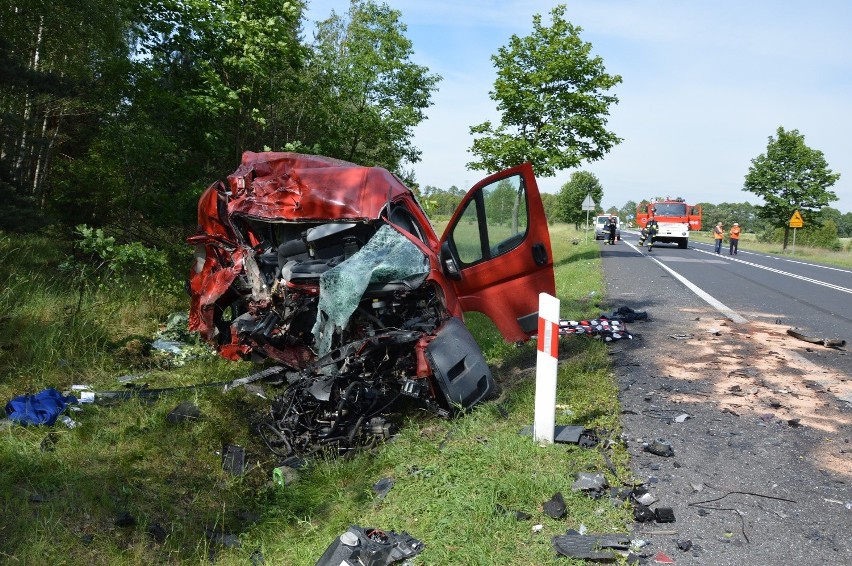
(334, 271)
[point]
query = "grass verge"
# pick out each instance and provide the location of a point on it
(128, 487)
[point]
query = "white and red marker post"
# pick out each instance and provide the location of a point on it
(547, 360)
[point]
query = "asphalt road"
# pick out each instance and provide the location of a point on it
(765, 287)
(768, 432)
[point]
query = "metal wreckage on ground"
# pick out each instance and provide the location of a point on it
(334, 272)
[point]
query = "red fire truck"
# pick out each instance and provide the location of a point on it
(675, 217)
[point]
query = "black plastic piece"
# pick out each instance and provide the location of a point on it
(459, 367)
(233, 459)
(664, 515)
(555, 507)
(591, 547)
(643, 514)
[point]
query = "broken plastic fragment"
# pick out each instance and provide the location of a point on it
(373, 547)
(591, 547)
(382, 487)
(660, 448)
(646, 499)
(643, 514)
(590, 482)
(663, 558)
(233, 459)
(664, 515)
(555, 507)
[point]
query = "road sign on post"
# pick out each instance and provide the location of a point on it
(796, 220)
(588, 206)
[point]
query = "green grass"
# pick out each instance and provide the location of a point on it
(61, 489)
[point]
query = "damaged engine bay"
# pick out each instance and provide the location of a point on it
(380, 335)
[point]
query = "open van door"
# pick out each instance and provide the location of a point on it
(496, 251)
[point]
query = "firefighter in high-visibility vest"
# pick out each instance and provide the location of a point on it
(649, 232)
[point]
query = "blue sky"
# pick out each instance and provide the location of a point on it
(705, 83)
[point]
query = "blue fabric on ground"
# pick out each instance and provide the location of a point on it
(43, 407)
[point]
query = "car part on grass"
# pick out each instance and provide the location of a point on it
(555, 506)
(569, 434)
(592, 484)
(334, 271)
(382, 487)
(603, 327)
(591, 546)
(233, 459)
(133, 391)
(370, 547)
(827, 342)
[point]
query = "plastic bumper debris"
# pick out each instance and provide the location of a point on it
(370, 547)
(591, 547)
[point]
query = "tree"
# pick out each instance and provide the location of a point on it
(573, 193)
(552, 95)
(59, 74)
(366, 93)
(628, 211)
(790, 176)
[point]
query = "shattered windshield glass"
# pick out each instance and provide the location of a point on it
(387, 257)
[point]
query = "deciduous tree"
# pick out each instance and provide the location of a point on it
(790, 176)
(368, 94)
(553, 96)
(573, 193)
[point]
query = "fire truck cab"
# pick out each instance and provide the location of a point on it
(675, 217)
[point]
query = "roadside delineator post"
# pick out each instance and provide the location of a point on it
(545, 372)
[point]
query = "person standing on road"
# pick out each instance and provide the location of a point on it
(613, 224)
(734, 239)
(718, 235)
(650, 231)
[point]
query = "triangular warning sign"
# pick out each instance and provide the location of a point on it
(796, 220)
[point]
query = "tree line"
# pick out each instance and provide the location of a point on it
(116, 113)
